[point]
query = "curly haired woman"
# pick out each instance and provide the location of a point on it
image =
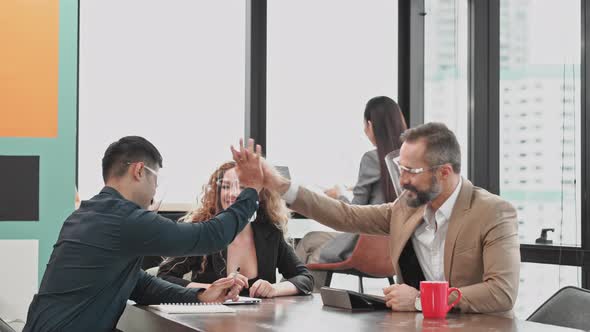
(257, 251)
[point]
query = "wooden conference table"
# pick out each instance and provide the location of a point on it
(306, 313)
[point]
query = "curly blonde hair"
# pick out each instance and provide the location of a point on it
(272, 208)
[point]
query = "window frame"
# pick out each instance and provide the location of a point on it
(483, 80)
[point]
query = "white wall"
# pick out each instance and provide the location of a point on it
(20, 264)
(172, 72)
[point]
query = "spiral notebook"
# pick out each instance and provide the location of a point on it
(192, 308)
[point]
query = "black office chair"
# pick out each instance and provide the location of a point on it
(568, 308)
(4, 327)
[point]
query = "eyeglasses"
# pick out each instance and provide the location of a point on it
(233, 186)
(146, 167)
(414, 171)
(151, 170)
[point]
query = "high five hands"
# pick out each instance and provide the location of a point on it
(248, 165)
(253, 171)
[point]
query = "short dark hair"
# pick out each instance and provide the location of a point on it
(442, 146)
(128, 149)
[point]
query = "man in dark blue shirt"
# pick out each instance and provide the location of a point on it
(95, 265)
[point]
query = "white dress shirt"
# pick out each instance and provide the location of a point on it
(429, 238)
(291, 194)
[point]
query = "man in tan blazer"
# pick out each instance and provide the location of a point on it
(441, 227)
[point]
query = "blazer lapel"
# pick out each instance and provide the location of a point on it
(261, 234)
(407, 230)
(462, 205)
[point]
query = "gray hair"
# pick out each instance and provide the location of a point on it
(441, 144)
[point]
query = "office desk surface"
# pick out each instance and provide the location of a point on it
(306, 313)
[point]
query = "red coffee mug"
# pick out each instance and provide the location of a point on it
(434, 298)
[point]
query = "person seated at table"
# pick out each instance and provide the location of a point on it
(95, 266)
(441, 227)
(258, 250)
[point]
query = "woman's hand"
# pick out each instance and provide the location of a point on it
(333, 192)
(263, 288)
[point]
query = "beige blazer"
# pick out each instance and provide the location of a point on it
(482, 253)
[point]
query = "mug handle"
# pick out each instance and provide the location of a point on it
(459, 294)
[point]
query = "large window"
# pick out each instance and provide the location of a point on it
(171, 72)
(540, 116)
(326, 59)
(445, 68)
(539, 281)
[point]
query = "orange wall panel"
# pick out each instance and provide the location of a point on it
(28, 68)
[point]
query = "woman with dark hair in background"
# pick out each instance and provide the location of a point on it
(384, 123)
(258, 251)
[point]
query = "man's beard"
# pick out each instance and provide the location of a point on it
(423, 197)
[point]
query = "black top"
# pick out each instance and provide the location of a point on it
(410, 267)
(95, 264)
(272, 252)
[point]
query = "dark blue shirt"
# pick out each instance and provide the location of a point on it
(95, 264)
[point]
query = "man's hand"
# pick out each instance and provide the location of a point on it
(221, 290)
(248, 165)
(262, 288)
(242, 277)
(400, 297)
(273, 180)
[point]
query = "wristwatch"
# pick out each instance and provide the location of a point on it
(418, 303)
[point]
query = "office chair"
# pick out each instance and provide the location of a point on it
(568, 308)
(369, 259)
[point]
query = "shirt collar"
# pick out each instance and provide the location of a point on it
(444, 212)
(447, 208)
(112, 191)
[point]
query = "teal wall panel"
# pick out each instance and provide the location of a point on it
(57, 155)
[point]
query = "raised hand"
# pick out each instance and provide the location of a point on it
(248, 165)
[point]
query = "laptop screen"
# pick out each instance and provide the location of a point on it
(391, 160)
